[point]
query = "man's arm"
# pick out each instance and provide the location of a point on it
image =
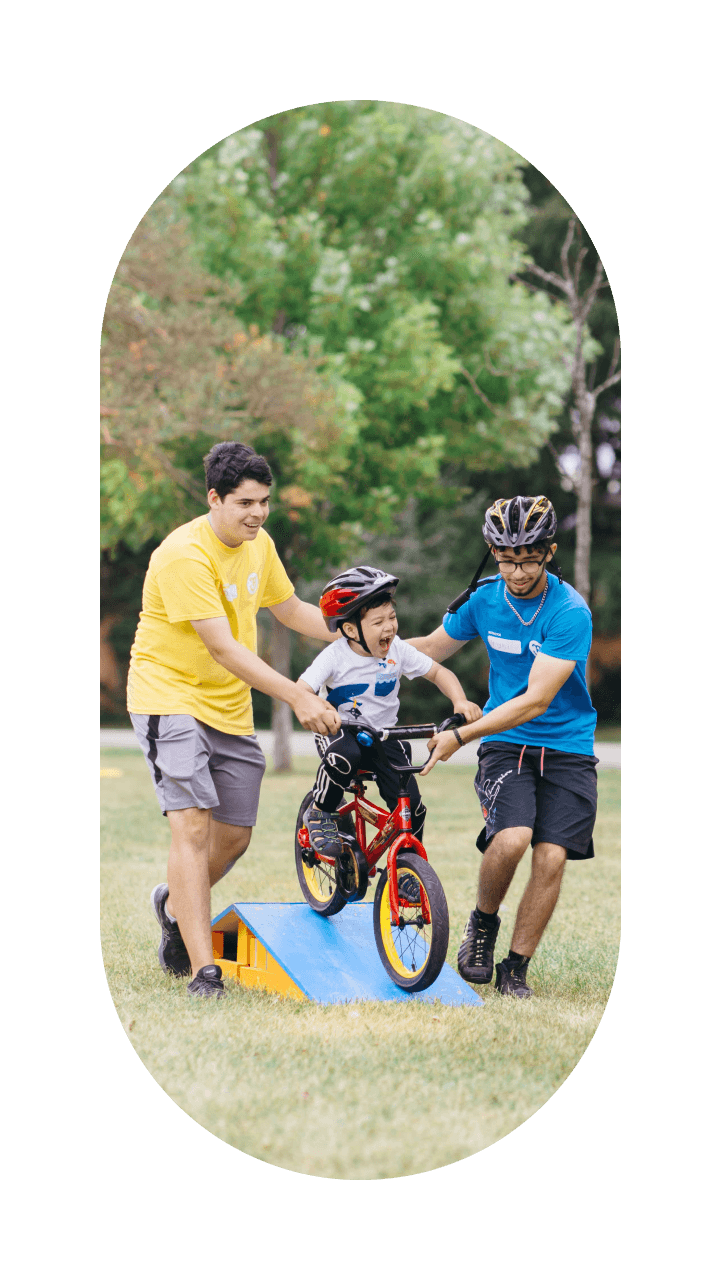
(302, 617)
(312, 712)
(438, 645)
(547, 677)
(449, 684)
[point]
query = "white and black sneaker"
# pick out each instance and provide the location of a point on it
(172, 952)
(477, 949)
(323, 831)
(208, 982)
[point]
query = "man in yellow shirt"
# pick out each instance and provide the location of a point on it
(192, 666)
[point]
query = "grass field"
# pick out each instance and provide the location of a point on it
(355, 1091)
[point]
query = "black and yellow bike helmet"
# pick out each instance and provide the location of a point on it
(512, 522)
(518, 522)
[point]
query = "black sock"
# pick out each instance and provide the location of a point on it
(515, 960)
(486, 918)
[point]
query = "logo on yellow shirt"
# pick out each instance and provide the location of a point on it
(230, 591)
(252, 583)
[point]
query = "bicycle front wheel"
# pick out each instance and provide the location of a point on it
(412, 951)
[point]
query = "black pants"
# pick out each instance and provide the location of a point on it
(341, 759)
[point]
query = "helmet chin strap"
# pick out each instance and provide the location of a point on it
(360, 636)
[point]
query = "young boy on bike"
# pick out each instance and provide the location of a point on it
(361, 671)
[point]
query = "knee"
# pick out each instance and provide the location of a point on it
(190, 829)
(511, 843)
(338, 766)
(240, 844)
(549, 860)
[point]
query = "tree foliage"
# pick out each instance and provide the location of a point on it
(346, 288)
(388, 234)
(180, 372)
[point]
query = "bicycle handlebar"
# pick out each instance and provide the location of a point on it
(406, 731)
(399, 731)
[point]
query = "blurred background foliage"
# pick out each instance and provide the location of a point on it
(345, 287)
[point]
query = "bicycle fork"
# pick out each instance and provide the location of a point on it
(403, 841)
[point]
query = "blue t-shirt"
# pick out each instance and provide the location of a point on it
(562, 629)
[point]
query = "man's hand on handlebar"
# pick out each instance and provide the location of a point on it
(315, 713)
(442, 746)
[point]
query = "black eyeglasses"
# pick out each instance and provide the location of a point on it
(525, 565)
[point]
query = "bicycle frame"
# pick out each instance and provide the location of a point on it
(394, 829)
(394, 834)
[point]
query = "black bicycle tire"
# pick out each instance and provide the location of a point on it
(440, 923)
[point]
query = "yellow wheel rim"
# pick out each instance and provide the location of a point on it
(320, 882)
(407, 948)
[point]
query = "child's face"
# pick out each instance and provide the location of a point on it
(379, 629)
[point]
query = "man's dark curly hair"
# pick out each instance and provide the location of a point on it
(542, 545)
(229, 463)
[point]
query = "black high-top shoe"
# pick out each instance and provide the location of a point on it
(510, 979)
(477, 949)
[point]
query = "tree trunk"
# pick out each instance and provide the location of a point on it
(584, 490)
(282, 723)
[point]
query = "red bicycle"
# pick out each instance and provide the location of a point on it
(410, 914)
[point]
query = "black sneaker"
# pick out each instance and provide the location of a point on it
(208, 982)
(510, 980)
(323, 831)
(477, 949)
(409, 889)
(172, 952)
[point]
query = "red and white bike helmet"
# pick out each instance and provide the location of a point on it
(349, 591)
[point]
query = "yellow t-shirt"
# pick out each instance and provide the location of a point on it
(193, 575)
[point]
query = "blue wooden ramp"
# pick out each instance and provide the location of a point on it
(287, 947)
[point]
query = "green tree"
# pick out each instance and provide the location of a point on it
(374, 250)
(179, 372)
(388, 234)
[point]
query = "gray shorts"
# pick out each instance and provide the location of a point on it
(194, 766)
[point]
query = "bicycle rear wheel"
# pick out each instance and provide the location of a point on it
(412, 951)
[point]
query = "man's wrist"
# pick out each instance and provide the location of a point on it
(301, 694)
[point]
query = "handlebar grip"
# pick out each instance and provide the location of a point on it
(451, 722)
(400, 731)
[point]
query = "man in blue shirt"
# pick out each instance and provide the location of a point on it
(536, 780)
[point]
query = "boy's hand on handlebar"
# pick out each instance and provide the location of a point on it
(443, 746)
(470, 710)
(315, 713)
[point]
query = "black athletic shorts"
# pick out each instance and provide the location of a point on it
(552, 792)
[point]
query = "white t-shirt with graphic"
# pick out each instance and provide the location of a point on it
(362, 687)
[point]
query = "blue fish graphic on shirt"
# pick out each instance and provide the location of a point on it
(345, 693)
